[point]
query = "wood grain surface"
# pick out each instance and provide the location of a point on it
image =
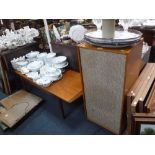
(125, 50)
(69, 88)
(140, 92)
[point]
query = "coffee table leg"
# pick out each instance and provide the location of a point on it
(62, 108)
(23, 84)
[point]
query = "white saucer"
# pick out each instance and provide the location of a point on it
(57, 78)
(61, 66)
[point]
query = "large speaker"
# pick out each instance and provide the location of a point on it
(107, 75)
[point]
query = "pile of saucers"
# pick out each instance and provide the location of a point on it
(60, 62)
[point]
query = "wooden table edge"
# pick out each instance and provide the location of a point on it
(42, 88)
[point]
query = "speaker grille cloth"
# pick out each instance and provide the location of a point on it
(103, 75)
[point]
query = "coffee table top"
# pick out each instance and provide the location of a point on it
(69, 88)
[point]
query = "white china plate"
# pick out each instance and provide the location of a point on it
(61, 66)
(108, 45)
(77, 32)
(59, 59)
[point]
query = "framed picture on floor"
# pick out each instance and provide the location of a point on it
(143, 124)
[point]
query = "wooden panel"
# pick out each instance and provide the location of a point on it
(69, 88)
(103, 76)
(150, 96)
(132, 70)
(146, 90)
(137, 85)
(133, 64)
(140, 92)
(134, 91)
(150, 104)
(123, 51)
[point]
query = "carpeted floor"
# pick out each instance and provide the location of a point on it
(46, 119)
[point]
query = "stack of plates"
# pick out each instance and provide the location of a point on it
(52, 73)
(42, 56)
(60, 62)
(121, 38)
(49, 58)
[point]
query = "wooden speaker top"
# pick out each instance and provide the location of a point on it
(125, 50)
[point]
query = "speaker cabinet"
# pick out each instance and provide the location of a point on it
(107, 75)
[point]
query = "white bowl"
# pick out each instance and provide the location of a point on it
(24, 70)
(35, 66)
(33, 75)
(42, 56)
(44, 81)
(59, 59)
(46, 70)
(21, 63)
(55, 74)
(49, 58)
(50, 55)
(14, 65)
(32, 54)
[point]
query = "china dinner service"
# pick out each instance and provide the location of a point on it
(12, 39)
(43, 68)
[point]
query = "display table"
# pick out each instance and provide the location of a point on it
(68, 89)
(108, 74)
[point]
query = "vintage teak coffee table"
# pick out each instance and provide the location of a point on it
(68, 89)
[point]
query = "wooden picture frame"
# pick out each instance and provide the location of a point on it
(143, 124)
